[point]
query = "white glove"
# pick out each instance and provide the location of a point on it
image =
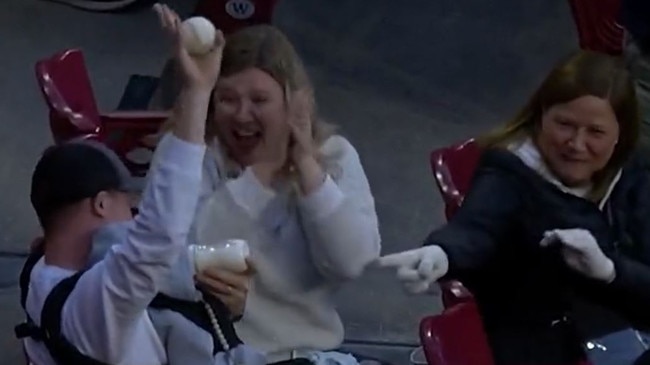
(417, 269)
(581, 253)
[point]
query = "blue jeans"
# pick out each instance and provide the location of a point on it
(618, 348)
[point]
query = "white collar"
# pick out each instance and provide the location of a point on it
(528, 152)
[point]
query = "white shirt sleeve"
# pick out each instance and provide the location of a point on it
(339, 218)
(101, 315)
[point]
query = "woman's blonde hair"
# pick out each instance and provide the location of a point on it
(582, 73)
(266, 48)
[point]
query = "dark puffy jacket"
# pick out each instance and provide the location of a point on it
(535, 309)
(644, 359)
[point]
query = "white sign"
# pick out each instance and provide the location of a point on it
(240, 9)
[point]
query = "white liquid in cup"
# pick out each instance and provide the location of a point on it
(227, 255)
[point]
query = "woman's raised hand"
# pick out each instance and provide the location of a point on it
(300, 113)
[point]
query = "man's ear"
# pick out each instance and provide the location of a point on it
(100, 204)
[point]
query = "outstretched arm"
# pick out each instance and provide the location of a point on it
(124, 283)
(120, 288)
(470, 239)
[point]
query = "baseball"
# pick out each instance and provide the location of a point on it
(198, 35)
(229, 255)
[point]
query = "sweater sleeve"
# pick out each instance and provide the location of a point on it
(339, 218)
(471, 237)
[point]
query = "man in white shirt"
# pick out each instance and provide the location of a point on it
(77, 189)
(97, 315)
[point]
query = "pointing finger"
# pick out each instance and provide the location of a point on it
(550, 238)
(408, 274)
(407, 258)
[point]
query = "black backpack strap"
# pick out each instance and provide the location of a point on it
(59, 347)
(28, 328)
(26, 273)
(194, 311)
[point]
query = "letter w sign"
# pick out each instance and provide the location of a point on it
(240, 9)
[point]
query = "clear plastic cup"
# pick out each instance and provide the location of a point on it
(227, 255)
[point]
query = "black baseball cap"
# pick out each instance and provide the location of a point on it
(70, 172)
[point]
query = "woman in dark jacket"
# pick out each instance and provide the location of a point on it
(553, 237)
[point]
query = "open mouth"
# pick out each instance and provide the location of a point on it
(247, 139)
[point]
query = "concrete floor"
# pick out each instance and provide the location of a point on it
(400, 78)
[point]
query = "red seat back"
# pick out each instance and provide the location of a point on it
(597, 24)
(455, 337)
(65, 85)
(453, 168)
(232, 15)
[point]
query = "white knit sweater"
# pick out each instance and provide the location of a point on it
(303, 247)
